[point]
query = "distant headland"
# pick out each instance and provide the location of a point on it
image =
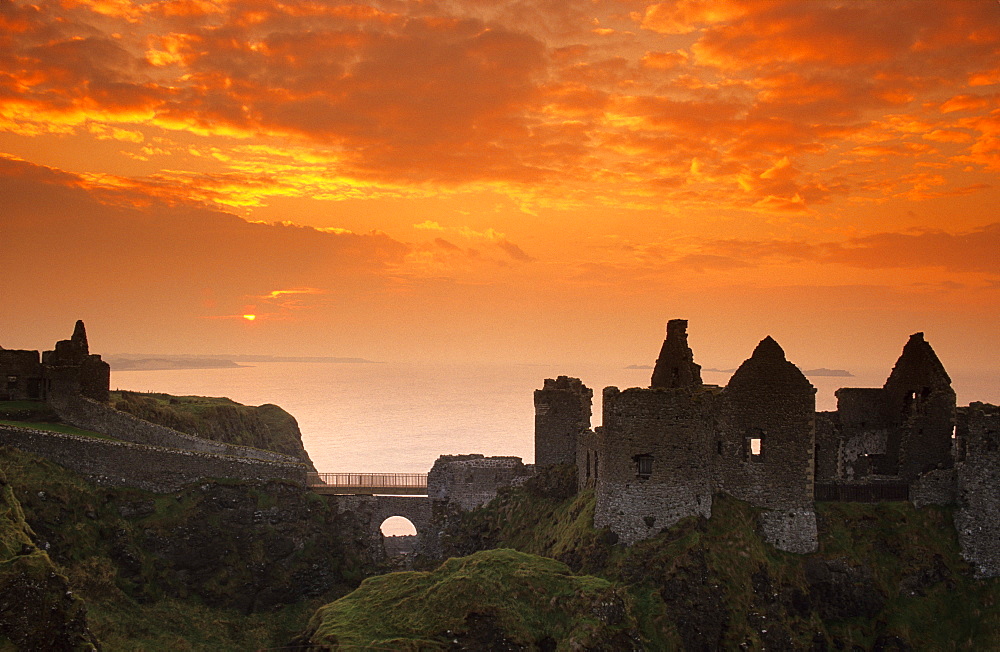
(822, 371)
(158, 362)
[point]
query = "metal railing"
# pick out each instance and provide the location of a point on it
(408, 483)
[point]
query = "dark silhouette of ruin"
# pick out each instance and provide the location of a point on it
(664, 451)
(69, 370)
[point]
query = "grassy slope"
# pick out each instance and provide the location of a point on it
(490, 600)
(885, 576)
(217, 566)
(37, 610)
(266, 427)
(38, 415)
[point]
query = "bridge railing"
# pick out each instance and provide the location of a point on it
(370, 480)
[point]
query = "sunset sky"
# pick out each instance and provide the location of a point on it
(532, 181)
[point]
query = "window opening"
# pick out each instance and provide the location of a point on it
(644, 466)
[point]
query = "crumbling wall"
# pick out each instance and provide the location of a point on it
(827, 447)
(977, 518)
(587, 459)
(468, 481)
(152, 468)
(766, 449)
(21, 376)
(675, 366)
(562, 413)
(864, 433)
(71, 369)
(921, 405)
(770, 402)
(655, 466)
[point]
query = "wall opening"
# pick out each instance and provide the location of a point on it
(643, 466)
(397, 526)
(754, 448)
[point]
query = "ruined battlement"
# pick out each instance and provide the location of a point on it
(664, 451)
(562, 413)
(67, 370)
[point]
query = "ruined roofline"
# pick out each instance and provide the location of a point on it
(675, 367)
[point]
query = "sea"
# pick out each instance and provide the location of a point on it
(399, 417)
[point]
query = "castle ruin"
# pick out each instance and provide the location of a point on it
(68, 370)
(664, 451)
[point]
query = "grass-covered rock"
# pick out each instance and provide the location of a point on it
(38, 610)
(219, 565)
(267, 427)
(492, 600)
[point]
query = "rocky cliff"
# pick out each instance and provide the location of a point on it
(221, 565)
(267, 426)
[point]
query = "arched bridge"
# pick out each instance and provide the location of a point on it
(377, 496)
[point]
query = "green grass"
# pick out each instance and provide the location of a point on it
(266, 427)
(113, 545)
(56, 427)
(526, 598)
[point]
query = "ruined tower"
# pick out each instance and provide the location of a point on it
(675, 367)
(920, 406)
(654, 445)
(562, 414)
(766, 445)
(72, 370)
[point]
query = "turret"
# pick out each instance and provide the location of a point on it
(562, 414)
(675, 368)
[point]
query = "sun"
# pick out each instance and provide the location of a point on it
(249, 317)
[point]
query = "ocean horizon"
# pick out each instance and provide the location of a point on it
(399, 417)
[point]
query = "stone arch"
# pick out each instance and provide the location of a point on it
(373, 510)
(415, 509)
(397, 523)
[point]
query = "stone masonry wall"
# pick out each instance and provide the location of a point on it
(587, 459)
(654, 460)
(20, 375)
(152, 468)
(469, 481)
(90, 415)
(562, 413)
(768, 399)
(371, 511)
(977, 518)
(769, 404)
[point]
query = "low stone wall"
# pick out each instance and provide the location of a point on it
(90, 415)
(937, 487)
(469, 481)
(152, 468)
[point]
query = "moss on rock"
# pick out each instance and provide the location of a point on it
(497, 599)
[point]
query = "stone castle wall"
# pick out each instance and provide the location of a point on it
(87, 414)
(562, 415)
(469, 481)
(654, 466)
(770, 402)
(152, 468)
(977, 518)
(21, 375)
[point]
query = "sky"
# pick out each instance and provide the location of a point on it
(529, 181)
